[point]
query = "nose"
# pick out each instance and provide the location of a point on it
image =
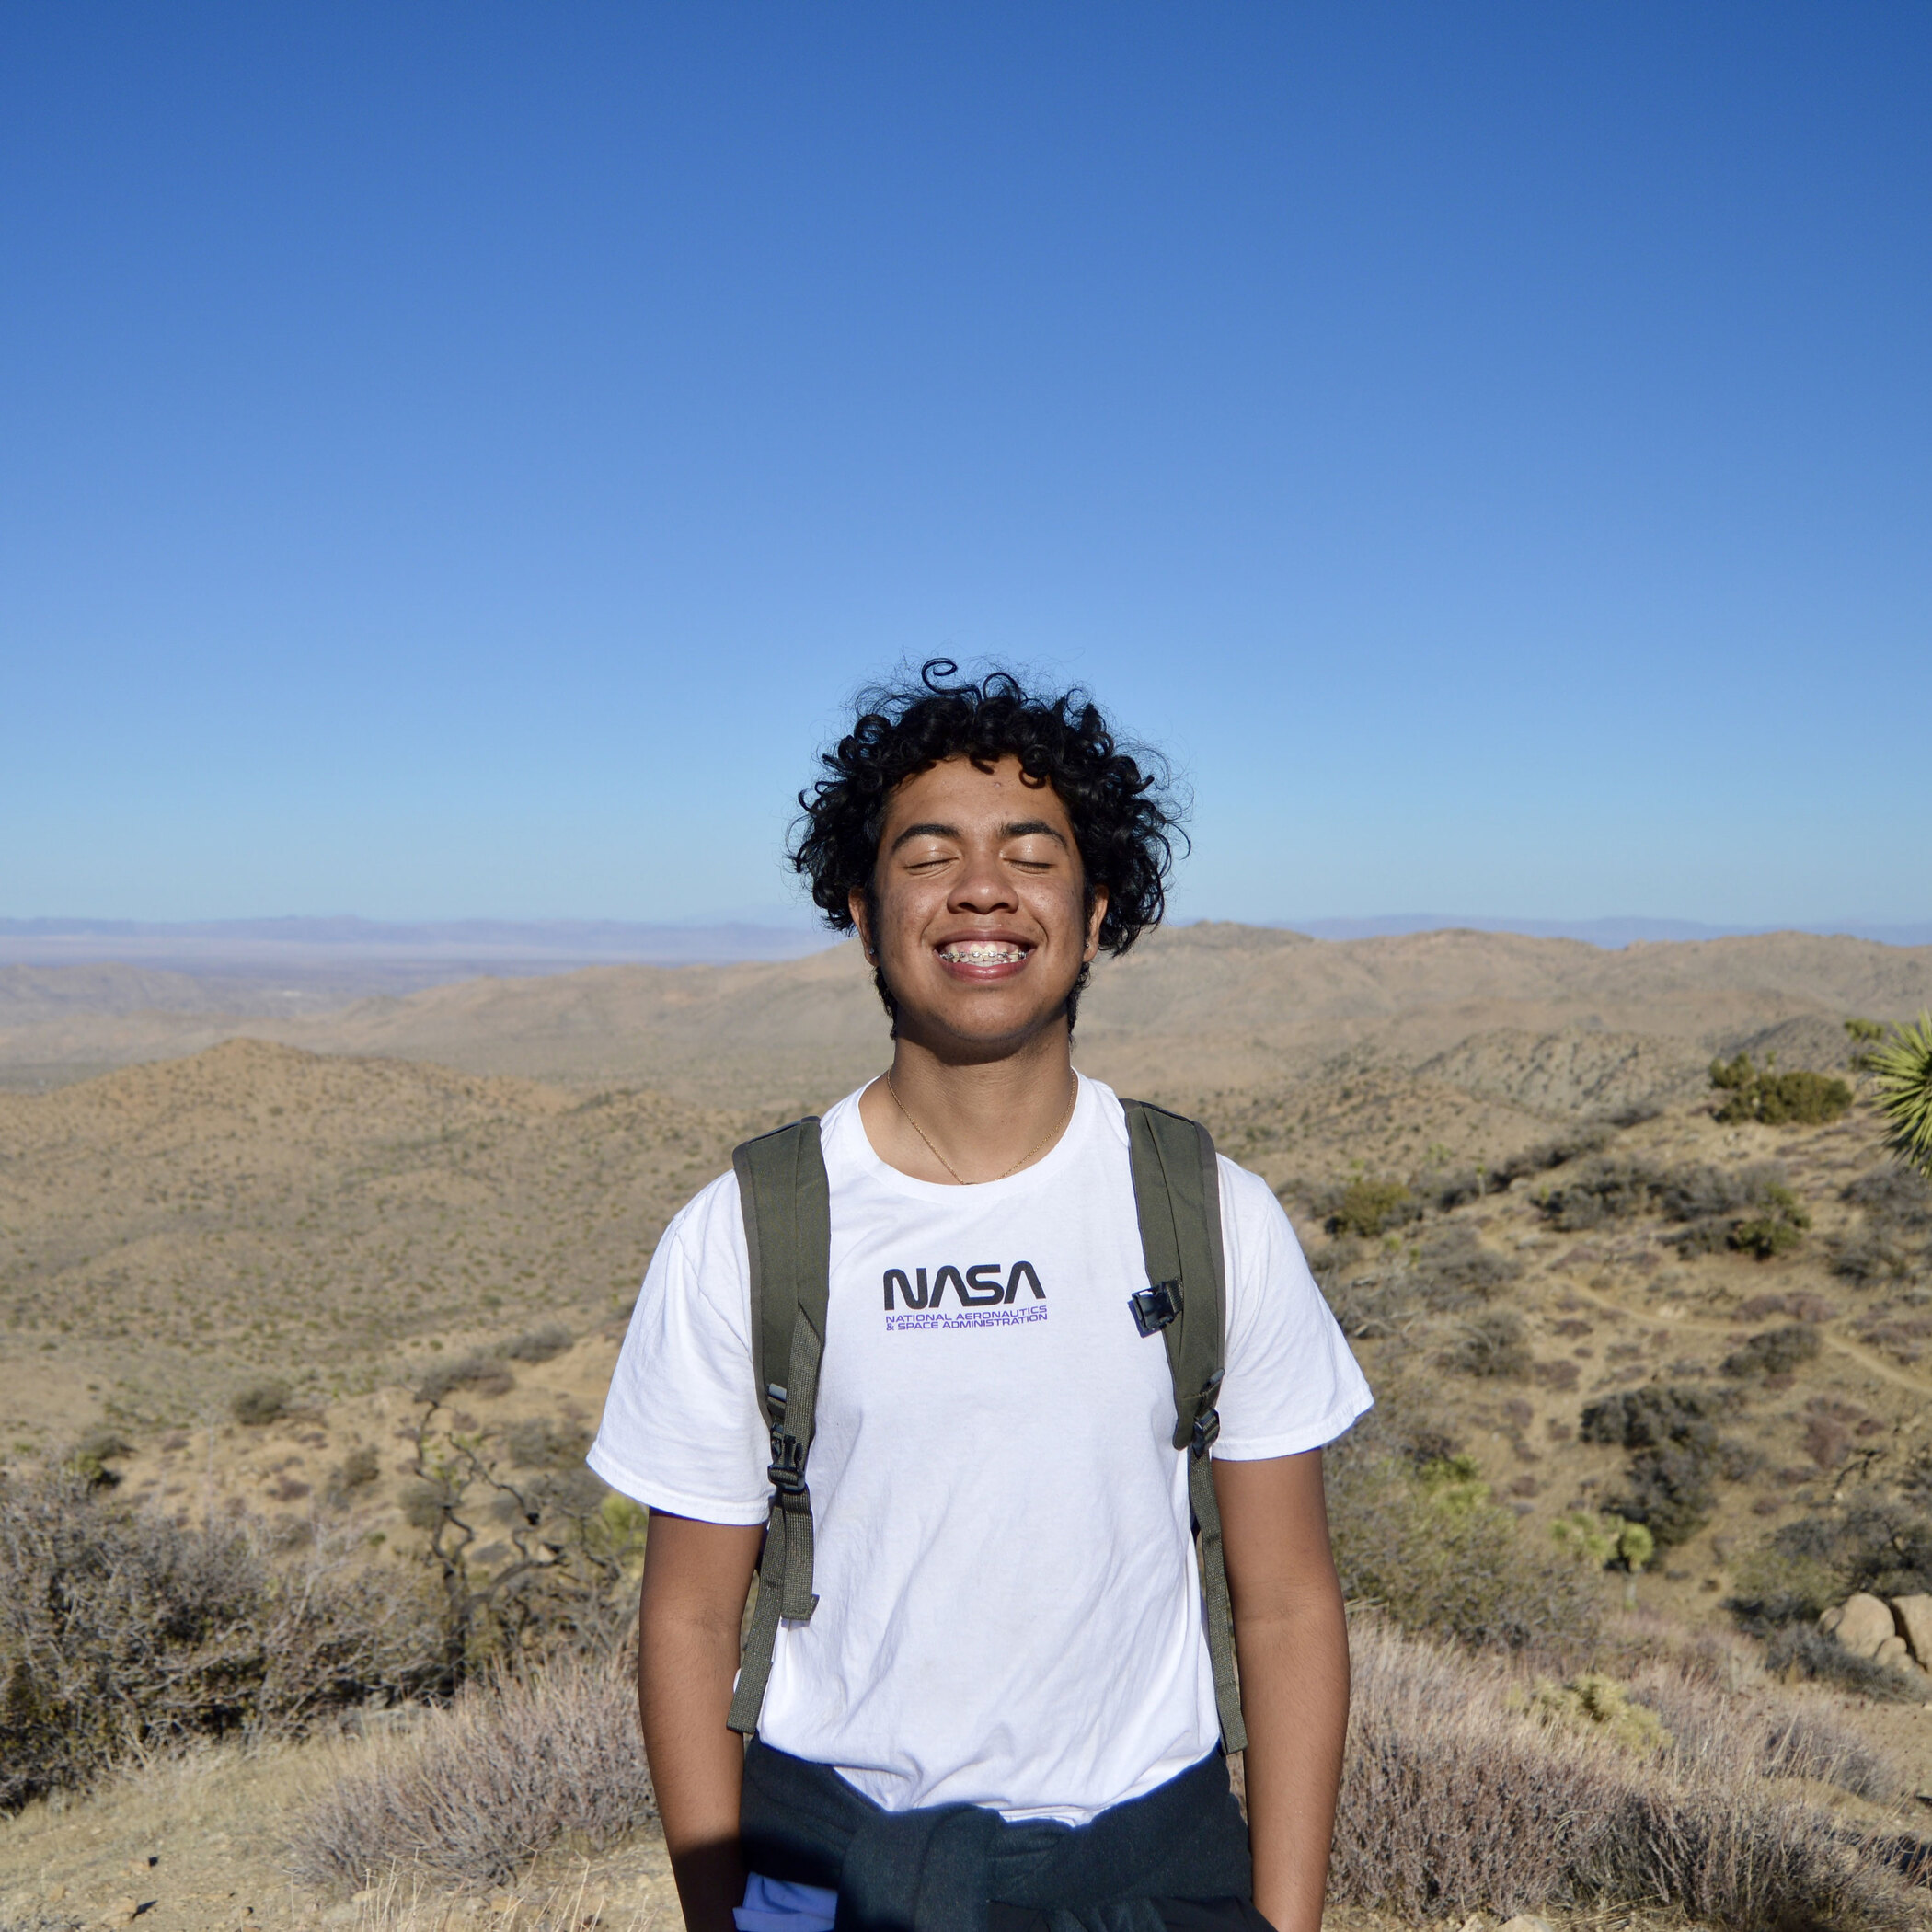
(981, 885)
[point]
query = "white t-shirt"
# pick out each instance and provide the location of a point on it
(1009, 1612)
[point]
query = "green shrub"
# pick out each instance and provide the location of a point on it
(1600, 1706)
(260, 1403)
(1779, 1226)
(1796, 1100)
(1370, 1207)
(1605, 1539)
(90, 1458)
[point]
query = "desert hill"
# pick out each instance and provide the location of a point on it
(1193, 1010)
(167, 1231)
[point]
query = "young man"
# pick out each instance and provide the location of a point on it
(998, 1709)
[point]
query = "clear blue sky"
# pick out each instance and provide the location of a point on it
(457, 459)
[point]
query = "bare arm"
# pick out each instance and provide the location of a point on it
(696, 1577)
(1291, 1639)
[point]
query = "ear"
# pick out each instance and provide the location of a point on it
(855, 903)
(1094, 913)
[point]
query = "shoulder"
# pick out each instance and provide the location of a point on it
(703, 1248)
(1247, 1201)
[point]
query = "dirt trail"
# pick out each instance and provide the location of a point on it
(1684, 1324)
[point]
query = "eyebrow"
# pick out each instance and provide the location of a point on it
(1017, 828)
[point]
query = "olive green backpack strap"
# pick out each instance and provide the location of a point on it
(788, 1229)
(1176, 1191)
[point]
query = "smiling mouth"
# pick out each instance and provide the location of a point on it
(982, 952)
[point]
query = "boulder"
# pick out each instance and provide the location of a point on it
(1915, 1618)
(1526, 1922)
(1893, 1650)
(1861, 1624)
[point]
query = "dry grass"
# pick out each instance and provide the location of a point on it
(477, 1790)
(1452, 1802)
(414, 1902)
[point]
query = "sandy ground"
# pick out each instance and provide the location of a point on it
(201, 1841)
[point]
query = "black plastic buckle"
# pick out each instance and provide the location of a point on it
(1206, 1428)
(787, 1472)
(1154, 1308)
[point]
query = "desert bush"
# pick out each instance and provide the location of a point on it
(540, 1344)
(123, 1630)
(542, 1443)
(1449, 1271)
(1453, 1269)
(482, 1375)
(1607, 1189)
(1369, 1208)
(1659, 1412)
(1893, 1239)
(1677, 1454)
(1493, 1345)
(1461, 1184)
(1670, 1489)
(1895, 1195)
(1866, 1255)
(91, 1456)
(1429, 1547)
(1558, 1152)
(1753, 1209)
(260, 1403)
(1451, 1802)
(1881, 1545)
(1778, 1225)
(1804, 1650)
(1775, 1351)
(515, 1766)
(1754, 1093)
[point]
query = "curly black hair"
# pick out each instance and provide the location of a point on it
(1125, 811)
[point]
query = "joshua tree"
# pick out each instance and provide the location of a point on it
(1903, 1073)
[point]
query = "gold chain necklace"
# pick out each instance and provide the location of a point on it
(1033, 1152)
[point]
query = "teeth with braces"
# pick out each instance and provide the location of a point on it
(982, 953)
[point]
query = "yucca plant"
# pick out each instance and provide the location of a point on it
(1902, 1068)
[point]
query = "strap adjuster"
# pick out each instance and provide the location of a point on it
(1206, 1428)
(787, 1471)
(1154, 1307)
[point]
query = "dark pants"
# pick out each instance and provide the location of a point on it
(1175, 1860)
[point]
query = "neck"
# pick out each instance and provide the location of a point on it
(980, 1117)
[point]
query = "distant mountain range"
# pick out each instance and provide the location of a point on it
(1631, 930)
(345, 956)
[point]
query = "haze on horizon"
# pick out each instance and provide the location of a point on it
(460, 463)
